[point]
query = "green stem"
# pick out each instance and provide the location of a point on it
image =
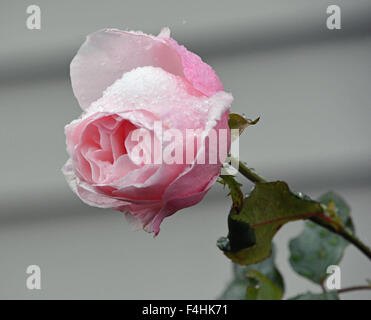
(344, 234)
(249, 174)
(323, 287)
(254, 177)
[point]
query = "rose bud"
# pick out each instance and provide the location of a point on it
(153, 134)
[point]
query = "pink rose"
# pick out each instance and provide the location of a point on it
(126, 82)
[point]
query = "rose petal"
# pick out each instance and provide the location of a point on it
(199, 73)
(165, 97)
(86, 192)
(190, 187)
(107, 54)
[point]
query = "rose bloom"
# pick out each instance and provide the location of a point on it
(126, 81)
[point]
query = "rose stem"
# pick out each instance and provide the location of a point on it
(355, 288)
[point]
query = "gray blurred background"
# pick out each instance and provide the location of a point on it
(310, 86)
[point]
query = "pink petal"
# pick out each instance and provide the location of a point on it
(200, 74)
(190, 187)
(107, 54)
(86, 192)
(147, 94)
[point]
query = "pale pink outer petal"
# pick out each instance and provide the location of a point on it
(107, 54)
(200, 74)
(85, 191)
(139, 214)
(190, 187)
(168, 98)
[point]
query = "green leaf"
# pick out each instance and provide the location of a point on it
(266, 267)
(316, 248)
(236, 289)
(269, 206)
(340, 207)
(237, 121)
(261, 288)
(333, 295)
